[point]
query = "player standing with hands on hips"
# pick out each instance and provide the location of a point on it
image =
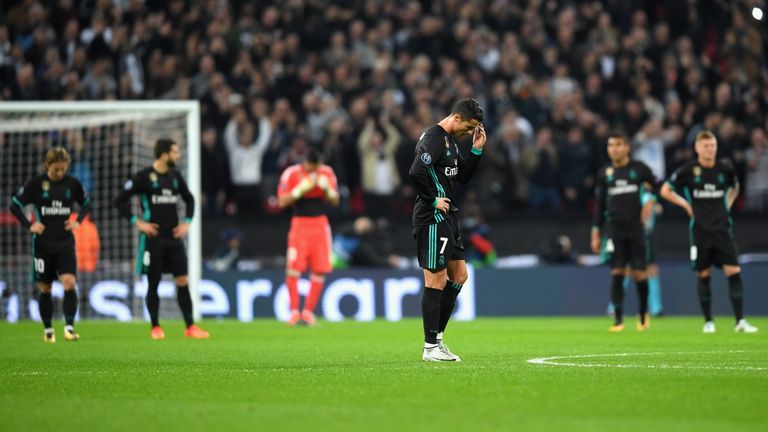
(710, 187)
(307, 187)
(53, 245)
(436, 228)
(161, 249)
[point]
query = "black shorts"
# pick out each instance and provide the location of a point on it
(620, 251)
(158, 255)
(49, 260)
(708, 248)
(436, 244)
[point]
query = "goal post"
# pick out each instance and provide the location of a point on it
(109, 141)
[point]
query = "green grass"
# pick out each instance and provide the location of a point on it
(355, 376)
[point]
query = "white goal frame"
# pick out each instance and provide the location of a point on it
(192, 109)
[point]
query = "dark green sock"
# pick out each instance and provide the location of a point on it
(617, 298)
(430, 313)
(70, 306)
(448, 303)
(736, 293)
(185, 304)
(705, 297)
(45, 305)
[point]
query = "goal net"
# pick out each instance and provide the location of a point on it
(108, 142)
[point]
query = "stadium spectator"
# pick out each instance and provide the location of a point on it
(246, 147)
(757, 166)
(380, 177)
(364, 243)
(213, 162)
(541, 166)
(576, 178)
(228, 254)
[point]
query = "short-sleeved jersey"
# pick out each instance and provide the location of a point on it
(53, 202)
(437, 163)
(618, 195)
(313, 202)
(706, 189)
(158, 196)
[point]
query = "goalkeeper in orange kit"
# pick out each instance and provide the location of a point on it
(308, 187)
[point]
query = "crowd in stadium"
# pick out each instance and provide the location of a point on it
(363, 79)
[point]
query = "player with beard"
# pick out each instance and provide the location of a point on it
(437, 164)
(161, 249)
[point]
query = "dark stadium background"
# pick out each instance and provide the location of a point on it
(555, 79)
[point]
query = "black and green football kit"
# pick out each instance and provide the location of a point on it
(158, 196)
(711, 227)
(437, 164)
(53, 251)
(618, 209)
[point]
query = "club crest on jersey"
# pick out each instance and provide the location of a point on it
(447, 144)
(153, 177)
(46, 185)
(609, 171)
(697, 171)
(426, 158)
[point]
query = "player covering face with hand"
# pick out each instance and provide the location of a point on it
(438, 163)
(308, 188)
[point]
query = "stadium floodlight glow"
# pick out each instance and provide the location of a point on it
(757, 13)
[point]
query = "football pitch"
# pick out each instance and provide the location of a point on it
(517, 374)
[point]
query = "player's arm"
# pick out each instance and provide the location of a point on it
(18, 202)
(649, 184)
(265, 134)
(122, 203)
(668, 193)
(287, 193)
(648, 208)
(328, 183)
(733, 193)
(422, 172)
(181, 230)
(467, 166)
(733, 183)
(599, 218)
(82, 199)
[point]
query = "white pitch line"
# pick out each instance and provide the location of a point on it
(553, 361)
